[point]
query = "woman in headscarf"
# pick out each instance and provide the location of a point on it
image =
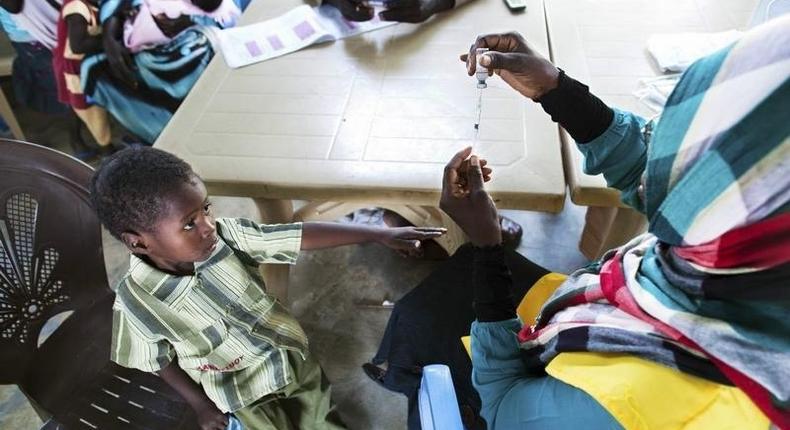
(685, 326)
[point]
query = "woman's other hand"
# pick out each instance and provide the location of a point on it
(466, 201)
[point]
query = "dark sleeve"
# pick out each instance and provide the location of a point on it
(578, 111)
(492, 284)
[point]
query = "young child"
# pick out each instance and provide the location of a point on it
(79, 34)
(194, 309)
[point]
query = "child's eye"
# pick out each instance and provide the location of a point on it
(207, 208)
(190, 225)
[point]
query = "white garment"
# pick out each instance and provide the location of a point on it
(40, 19)
(654, 92)
(676, 52)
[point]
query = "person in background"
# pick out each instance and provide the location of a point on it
(142, 90)
(156, 22)
(79, 34)
(32, 77)
(39, 18)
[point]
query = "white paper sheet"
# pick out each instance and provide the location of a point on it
(292, 31)
(676, 52)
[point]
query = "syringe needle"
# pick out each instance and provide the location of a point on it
(479, 108)
(479, 114)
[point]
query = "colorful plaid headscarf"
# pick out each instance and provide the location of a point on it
(707, 289)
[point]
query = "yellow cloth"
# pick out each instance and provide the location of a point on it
(533, 301)
(641, 394)
(530, 304)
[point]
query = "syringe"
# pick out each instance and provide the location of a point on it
(481, 74)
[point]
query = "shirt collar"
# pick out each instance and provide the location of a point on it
(148, 277)
(151, 279)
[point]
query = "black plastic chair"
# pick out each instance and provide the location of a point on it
(51, 262)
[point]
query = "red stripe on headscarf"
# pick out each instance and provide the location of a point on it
(761, 245)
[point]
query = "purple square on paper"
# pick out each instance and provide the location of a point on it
(304, 30)
(253, 48)
(349, 24)
(275, 42)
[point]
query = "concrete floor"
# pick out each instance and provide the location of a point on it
(325, 289)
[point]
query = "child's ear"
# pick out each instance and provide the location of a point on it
(134, 242)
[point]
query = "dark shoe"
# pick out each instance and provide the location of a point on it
(375, 373)
(79, 147)
(511, 232)
(366, 216)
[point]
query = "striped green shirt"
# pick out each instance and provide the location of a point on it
(229, 335)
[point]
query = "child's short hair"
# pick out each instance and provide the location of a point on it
(128, 190)
(207, 5)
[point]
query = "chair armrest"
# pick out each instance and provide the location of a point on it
(437, 401)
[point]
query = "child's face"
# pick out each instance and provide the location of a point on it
(184, 234)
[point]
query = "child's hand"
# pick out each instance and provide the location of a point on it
(408, 238)
(210, 418)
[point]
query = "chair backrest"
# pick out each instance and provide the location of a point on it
(51, 262)
(437, 401)
(51, 257)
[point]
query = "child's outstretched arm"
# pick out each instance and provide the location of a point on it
(79, 40)
(209, 417)
(317, 235)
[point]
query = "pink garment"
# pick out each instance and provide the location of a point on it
(141, 31)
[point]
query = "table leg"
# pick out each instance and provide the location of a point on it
(276, 275)
(606, 228)
(8, 115)
(327, 211)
